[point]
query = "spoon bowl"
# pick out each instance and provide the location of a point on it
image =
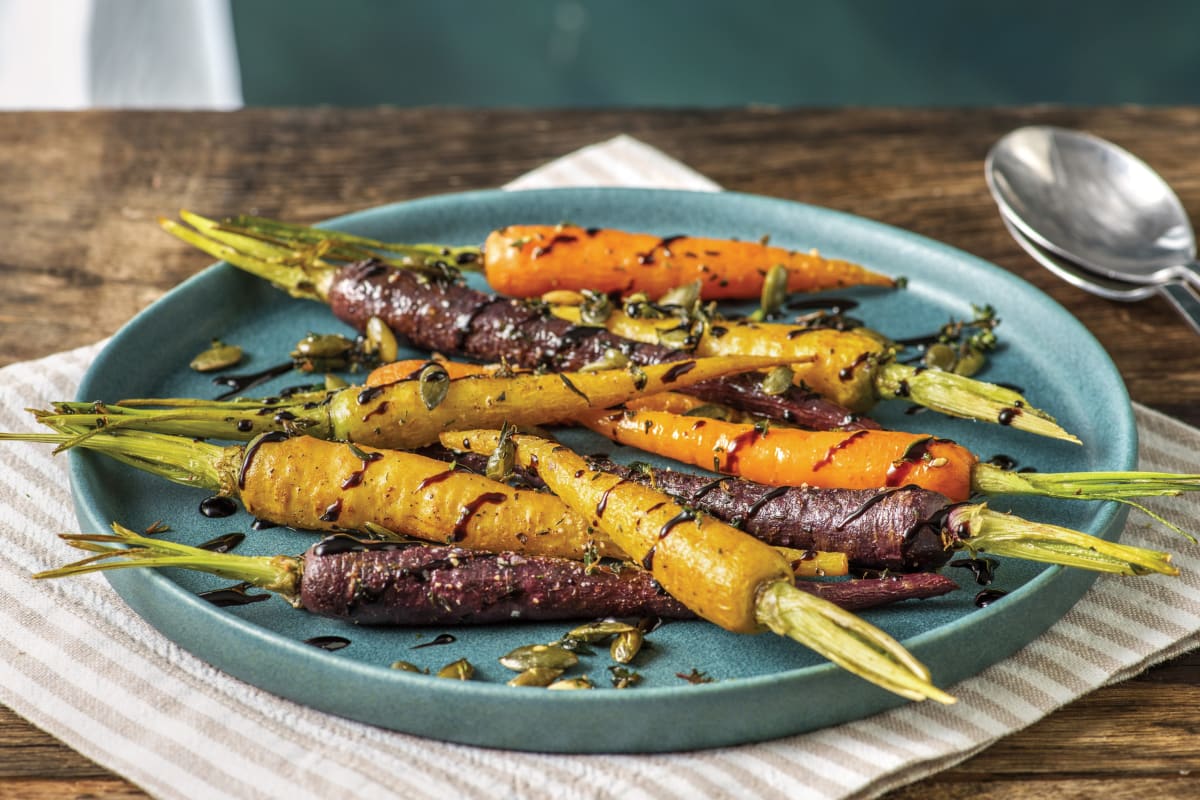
(1086, 199)
(1077, 276)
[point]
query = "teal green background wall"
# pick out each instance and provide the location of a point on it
(717, 53)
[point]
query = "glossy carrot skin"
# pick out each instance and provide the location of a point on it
(311, 484)
(788, 457)
(529, 260)
(675, 402)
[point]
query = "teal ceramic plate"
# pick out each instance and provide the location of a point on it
(763, 687)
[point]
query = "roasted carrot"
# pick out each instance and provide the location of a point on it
(860, 460)
(410, 411)
(529, 260)
(675, 402)
(853, 368)
(311, 484)
(389, 583)
(720, 573)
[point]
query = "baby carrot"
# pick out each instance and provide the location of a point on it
(410, 411)
(529, 260)
(792, 457)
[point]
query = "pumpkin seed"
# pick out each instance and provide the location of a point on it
(334, 382)
(405, 666)
(612, 359)
(536, 676)
(940, 356)
(595, 309)
(774, 292)
(582, 682)
(777, 381)
(218, 356)
(970, 362)
(600, 630)
(563, 297)
(502, 460)
(381, 341)
(323, 346)
(460, 670)
(434, 383)
(626, 646)
(684, 296)
(545, 656)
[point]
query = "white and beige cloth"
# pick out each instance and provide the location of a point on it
(75, 661)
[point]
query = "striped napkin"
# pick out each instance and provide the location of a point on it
(79, 664)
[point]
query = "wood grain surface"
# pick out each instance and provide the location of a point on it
(80, 254)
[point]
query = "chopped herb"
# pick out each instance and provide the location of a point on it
(695, 677)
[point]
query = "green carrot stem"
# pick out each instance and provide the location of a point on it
(185, 461)
(1117, 486)
(278, 574)
(240, 421)
(846, 640)
(307, 278)
(349, 247)
(1006, 535)
(960, 396)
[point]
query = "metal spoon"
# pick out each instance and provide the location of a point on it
(1090, 201)
(1181, 296)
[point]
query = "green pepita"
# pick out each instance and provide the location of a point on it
(381, 341)
(460, 670)
(434, 384)
(940, 356)
(595, 309)
(536, 676)
(334, 382)
(612, 359)
(774, 293)
(684, 296)
(405, 666)
(218, 356)
(501, 462)
(626, 646)
(323, 346)
(544, 656)
(778, 381)
(600, 630)
(582, 682)
(970, 362)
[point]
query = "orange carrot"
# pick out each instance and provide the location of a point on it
(867, 459)
(529, 260)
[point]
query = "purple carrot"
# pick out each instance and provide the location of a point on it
(448, 317)
(388, 583)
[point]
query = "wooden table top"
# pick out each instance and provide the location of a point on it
(81, 254)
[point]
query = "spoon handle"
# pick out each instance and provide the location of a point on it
(1185, 300)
